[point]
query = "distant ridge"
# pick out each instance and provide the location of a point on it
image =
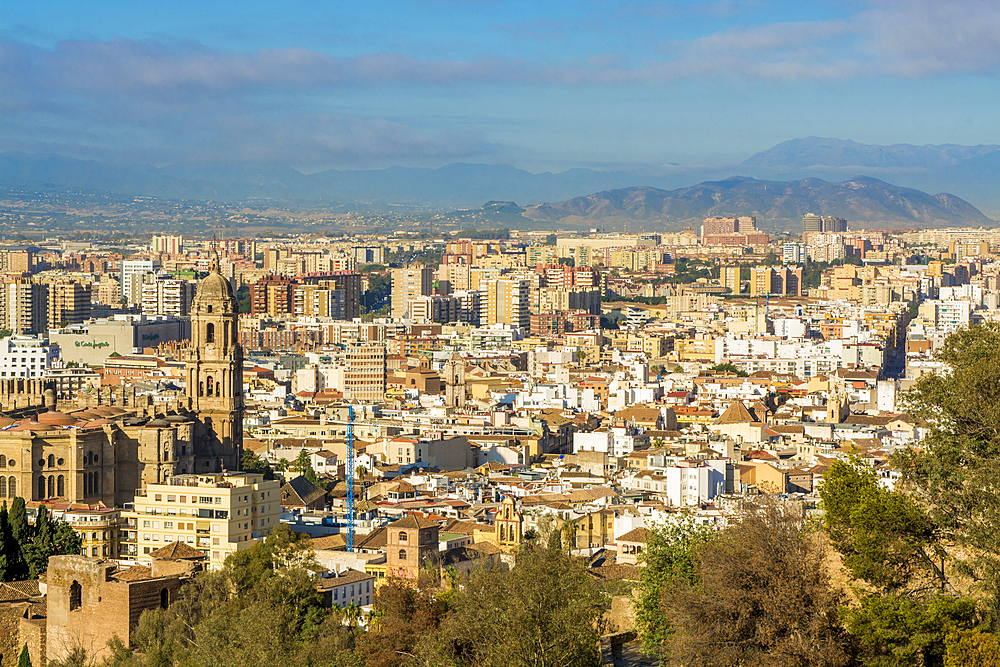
(861, 200)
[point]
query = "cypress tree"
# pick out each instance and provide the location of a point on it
(20, 532)
(43, 546)
(25, 659)
(6, 545)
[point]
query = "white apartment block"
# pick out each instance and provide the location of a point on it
(217, 514)
(134, 273)
(167, 297)
(26, 356)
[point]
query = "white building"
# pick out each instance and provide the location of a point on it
(134, 272)
(26, 356)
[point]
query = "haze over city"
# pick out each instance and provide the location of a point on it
(541, 86)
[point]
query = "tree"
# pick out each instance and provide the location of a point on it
(403, 617)
(546, 610)
(728, 368)
(25, 659)
(955, 473)
(762, 597)
(669, 561)
(251, 462)
(20, 532)
(898, 631)
(884, 537)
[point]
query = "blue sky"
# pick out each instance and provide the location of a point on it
(539, 85)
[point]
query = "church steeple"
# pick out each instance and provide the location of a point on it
(215, 374)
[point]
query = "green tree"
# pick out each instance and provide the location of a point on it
(20, 531)
(7, 545)
(25, 659)
(899, 631)
(669, 561)
(884, 537)
(546, 610)
(762, 597)
(955, 471)
(728, 368)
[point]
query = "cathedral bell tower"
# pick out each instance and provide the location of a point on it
(215, 375)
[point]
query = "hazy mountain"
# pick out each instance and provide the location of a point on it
(812, 152)
(860, 200)
(971, 172)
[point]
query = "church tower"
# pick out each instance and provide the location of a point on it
(215, 375)
(454, 382)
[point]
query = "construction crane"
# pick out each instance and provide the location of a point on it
(351, 510)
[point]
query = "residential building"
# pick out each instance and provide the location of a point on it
(407, 285)
(68, 303)
(364, 377)
(167, 296)
(218, 514)
(507, 303)
(134, 273)
(26, 356)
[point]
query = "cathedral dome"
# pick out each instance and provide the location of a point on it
(56, 418)
(214, 287)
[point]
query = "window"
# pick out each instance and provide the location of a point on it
(210, 338)
(402, 536)
(402, 554)
(168, 524)
(75, 595)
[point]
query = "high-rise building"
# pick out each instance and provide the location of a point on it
(166, 245)
(272, 295)
(69, 303)
(27, 306)
(134, 273)
(407, 285)
(794, 253)
(364, 376)
(215, 375)
(811, 223)
(507, 303)
(729, 276)
(470, 306)
(167, 296)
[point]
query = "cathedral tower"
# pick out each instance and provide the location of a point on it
(215, 375)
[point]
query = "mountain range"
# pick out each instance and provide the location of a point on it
(967, 172)
(861, 199)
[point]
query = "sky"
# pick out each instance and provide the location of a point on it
(552, 85)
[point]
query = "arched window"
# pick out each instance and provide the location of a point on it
(507, 511)
(402, 536)
(201, 389)
(209, 332)
(3, 487)
(402, 554)
(90, 457)
(52, 461)
(208, 309)
(60, 486)
(97, 484)
(75, 595)
(3, 461)
(210, 386)
(52, 486)
(11, 487)
(41, 487)
(164, 598)
(503, 533)
(218, 388)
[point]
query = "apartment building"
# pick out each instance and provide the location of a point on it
(68, 303)
(364, 377)
(218, 514)
(508, 303)
(407, 285)
(167, 297)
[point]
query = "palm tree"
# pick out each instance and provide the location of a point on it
(353, 613)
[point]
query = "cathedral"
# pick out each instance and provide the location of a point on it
(106, 444)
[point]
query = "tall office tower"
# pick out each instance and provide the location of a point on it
(214, 369)
(811, 223)
(507, 303)
(364, 377)
(729, 276)
(167, 296)
(407, 285)
(166, 245)
(134, 274)
(69, 303)
(27, 306)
